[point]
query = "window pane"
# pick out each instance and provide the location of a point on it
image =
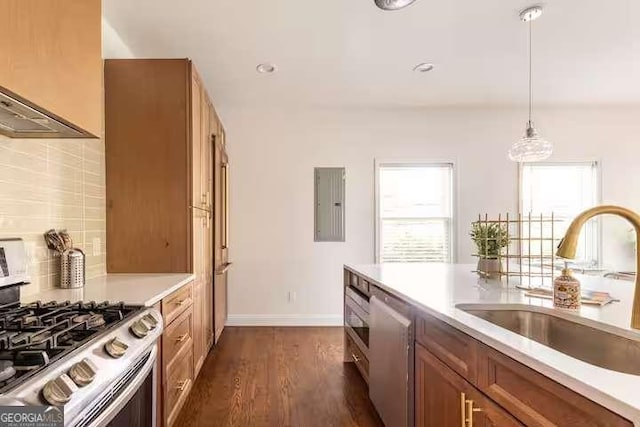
(564, 189)
(415, 191)
(417, 240)
(415, 207)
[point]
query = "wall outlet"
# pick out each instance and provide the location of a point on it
(291, 297)
(97, 246)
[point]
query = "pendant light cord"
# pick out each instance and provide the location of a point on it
(530, 68)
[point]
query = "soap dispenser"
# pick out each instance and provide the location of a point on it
(566, 290)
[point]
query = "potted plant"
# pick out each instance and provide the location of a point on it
(490, 239)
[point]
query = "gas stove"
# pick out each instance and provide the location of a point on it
(94, 360)
(32, 336)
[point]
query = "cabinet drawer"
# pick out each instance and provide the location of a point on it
(179, 377)
(456, 349)
(356, 356)
(352, 279)
(391, 301)
(178, 335)
(362, 284)
(535, 399)
(176, 303)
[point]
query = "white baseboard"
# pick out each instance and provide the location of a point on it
(284, 320)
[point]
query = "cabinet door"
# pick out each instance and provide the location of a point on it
(208, 159)
(198, 326)
(197, 205)
(52, 57)
(221, 262)
(200, 214)
(220, 305)
(437, 393)
(443, 398)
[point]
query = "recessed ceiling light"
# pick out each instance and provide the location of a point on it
(423, 68)
(266, 68)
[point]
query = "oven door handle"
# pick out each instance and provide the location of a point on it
(129, 391)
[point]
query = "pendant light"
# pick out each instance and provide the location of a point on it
(531, 147)
(393, 4)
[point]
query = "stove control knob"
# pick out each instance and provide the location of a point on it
(116, 348)
(139, 328)
(151, 321)
(58, 391)
(83, 372)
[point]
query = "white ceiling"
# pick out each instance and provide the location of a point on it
(348, 53)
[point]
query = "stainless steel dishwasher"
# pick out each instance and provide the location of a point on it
(390, 364)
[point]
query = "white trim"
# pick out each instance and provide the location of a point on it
(284, 320)
(453, 234)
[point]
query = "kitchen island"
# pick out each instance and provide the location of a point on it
(533, 383)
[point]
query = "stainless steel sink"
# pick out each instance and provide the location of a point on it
(591, 345)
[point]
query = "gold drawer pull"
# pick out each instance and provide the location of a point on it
(182, 337)
(182, 301)
(183, 385)
(467, 410)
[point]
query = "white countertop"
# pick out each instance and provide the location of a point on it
(438, 288)
(143, 289)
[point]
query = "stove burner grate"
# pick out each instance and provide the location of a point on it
(34, 335)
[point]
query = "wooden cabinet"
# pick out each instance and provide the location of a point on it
(201, 160)
(148, 165)
(355, 355)
(176, 356)
(504, 389)
(199, 351)
(535, 399)
(356, 327)
(178, 384)
(221, 234)
(167, 189)
(443, 398)
(52, 58)
(459, 381)
(455, 348)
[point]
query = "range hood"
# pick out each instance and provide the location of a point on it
(20, 120)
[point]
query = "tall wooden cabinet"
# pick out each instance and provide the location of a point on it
(221, 234)
(167, 188)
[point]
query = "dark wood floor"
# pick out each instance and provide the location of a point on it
(279, 377)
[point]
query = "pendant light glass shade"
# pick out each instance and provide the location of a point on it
(393, 4)
(531, 147)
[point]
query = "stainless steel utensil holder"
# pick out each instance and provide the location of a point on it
(72, 268)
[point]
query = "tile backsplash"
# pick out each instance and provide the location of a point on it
(53, 183)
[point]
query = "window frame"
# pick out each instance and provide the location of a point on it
(379, 163)
(597, 165)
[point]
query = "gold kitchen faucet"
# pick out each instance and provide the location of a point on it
(568, 245)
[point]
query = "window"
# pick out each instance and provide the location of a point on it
(414, 212)
(564, 189)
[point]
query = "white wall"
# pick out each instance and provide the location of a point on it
(273, 155)
(112, 44)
